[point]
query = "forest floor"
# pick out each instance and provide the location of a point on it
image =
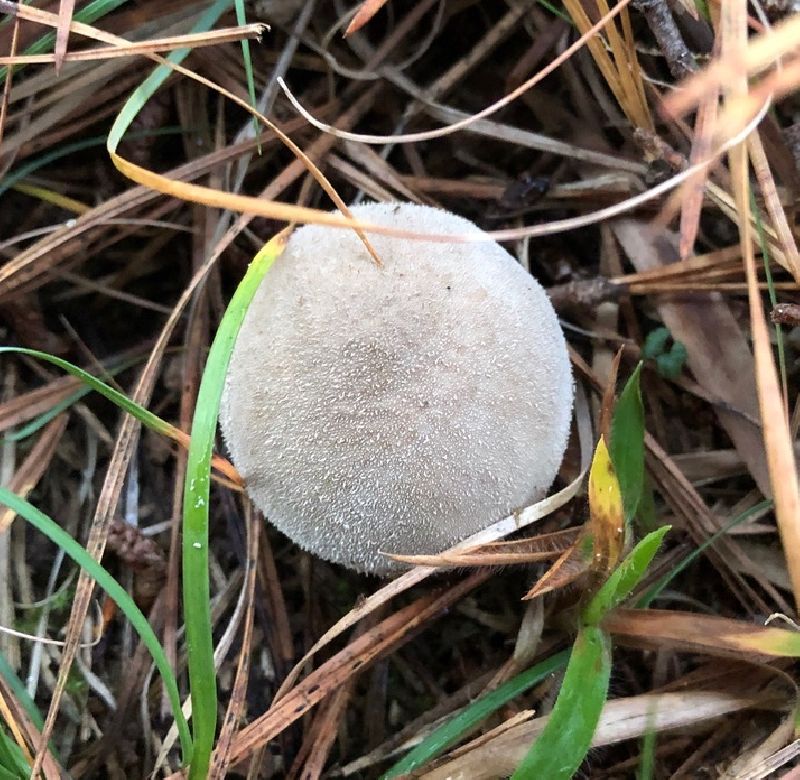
(643, 163)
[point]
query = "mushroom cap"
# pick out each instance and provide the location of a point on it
(398, 409)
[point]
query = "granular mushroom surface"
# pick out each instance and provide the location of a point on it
(397, 409)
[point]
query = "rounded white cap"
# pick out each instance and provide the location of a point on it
(396, 409)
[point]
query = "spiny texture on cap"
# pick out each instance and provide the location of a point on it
(396, 409)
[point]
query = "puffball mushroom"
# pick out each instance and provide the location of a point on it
(396, 409)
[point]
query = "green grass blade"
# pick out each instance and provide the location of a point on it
(567, 736)
(21, 693)
(12, 760)
(624, 578)
(147, 88)
(653, 593)
(144, 416)
(444, 736)
(24, 431)
(60, 537)
(647, 758)
(559, 12)
(5, 774)
(627, 444)
(780, 346)
(241, 20)
(39, 422)
(196, 594)
(646, 513)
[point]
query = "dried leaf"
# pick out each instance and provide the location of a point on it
(367, 10)
(702, 633)
(537, 548)
(570, 566)
(390, 633)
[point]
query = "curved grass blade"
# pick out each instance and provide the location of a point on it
(565, 740)
(440, 739)
(146, 417)
(39, 422)
(196, 593)
(60, 537)
(147, 88)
